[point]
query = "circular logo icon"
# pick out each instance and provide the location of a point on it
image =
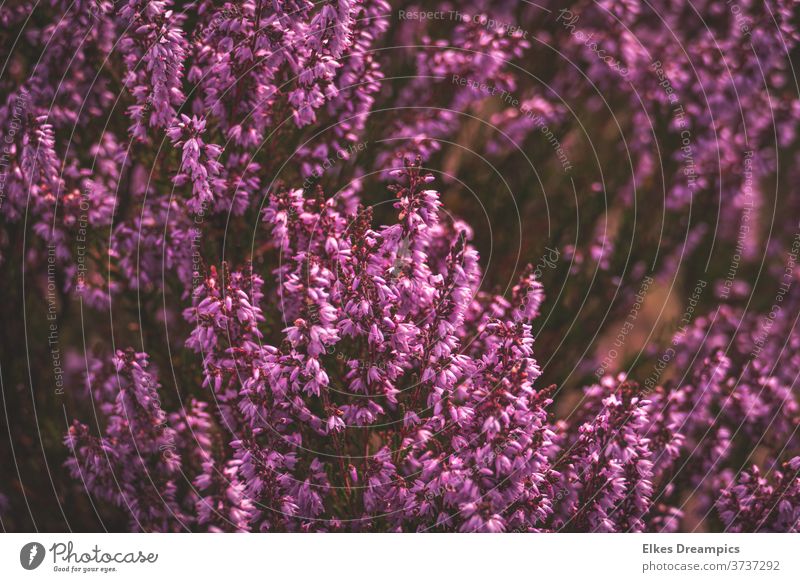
(31, 555)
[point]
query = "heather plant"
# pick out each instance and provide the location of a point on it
(270, 266)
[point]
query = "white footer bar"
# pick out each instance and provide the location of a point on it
(400, 557)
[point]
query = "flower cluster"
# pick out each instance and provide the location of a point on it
(277, 203)
(400, 397)
(134, 464)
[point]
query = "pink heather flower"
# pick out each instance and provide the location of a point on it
(199, 163)
(263, 196)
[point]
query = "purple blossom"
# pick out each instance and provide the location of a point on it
(273, 200)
